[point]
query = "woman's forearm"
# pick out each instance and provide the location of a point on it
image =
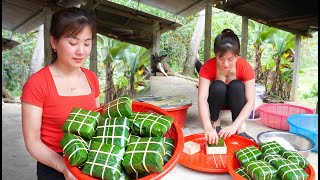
(45, 155)
(204, 114)
(31, 127)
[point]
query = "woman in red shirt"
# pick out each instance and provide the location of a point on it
(226, 81)
(49, 94)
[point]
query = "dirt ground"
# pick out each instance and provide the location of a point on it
(17, 164)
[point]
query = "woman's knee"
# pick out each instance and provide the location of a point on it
(218, 88)
(236, 85)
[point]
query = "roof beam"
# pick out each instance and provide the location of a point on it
(289, 19)
(188, 7)
(22, 27)
(136, 17)
(124, 14)
(146, 44)
(116, 25)
(232, 6)
(90, 5)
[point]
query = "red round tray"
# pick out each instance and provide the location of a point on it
(212, 163)
(174, 132)
(235, 143)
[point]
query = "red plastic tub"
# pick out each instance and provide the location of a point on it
(276, 115)
(236, 142)
(179, 114)
(174, 132)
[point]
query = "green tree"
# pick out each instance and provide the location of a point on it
(283, 43)
(261, 35)
(15, 62)
(125, 66)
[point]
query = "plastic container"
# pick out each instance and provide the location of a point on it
(301, 144)
(260, 89)
(176, 106)
(201, 161)
(179, 114)
(276, 115)
(305, 125)
(236, 142)
(174, 132)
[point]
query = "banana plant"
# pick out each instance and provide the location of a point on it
(283, 43)
(260, 38)
(125, 66)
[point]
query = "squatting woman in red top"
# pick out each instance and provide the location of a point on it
(226, 81)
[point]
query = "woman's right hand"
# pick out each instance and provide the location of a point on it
(211, 135)
(68, 175)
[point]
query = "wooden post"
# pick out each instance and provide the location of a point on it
(244, 37)
(155, 44)
(90, 7)
(93, 56)
(207, 30)
(46, 33)
(296, 67)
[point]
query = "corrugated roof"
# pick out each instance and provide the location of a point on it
(130, 25)
(297, 17)
(113, 20)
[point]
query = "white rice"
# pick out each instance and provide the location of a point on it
(283, 142)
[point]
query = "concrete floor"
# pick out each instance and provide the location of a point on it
(18, 165)
(172, 86)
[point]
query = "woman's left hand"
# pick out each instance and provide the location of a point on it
(228, 131)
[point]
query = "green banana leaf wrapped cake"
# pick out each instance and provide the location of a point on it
(120, 107)
(75, 149)
(113, 131)
(271, 158)
(169, 147)
(144, 155)
(242, 173)
(295, 157)
(104, 161)
(270, 147)
(247, 154)
(150, 124)
(288, 170)
(133, 138)
(260, 170)
(82, 122)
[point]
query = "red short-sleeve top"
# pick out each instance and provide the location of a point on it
(244, 71)
(41, 91)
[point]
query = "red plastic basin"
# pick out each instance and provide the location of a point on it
(179, 114)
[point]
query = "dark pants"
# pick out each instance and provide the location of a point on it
(226, 96)
(47, 173)
(222, 96)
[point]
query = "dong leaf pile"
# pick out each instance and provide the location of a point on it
(117, 143)
(275, 162)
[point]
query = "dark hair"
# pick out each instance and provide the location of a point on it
(70, 21)
(227, 30)
(226, 41)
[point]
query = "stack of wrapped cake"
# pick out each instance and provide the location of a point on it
(117, 143)
(271, 161)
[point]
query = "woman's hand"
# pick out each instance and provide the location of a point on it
(68, 175)
(211, 135)
(228, 131)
